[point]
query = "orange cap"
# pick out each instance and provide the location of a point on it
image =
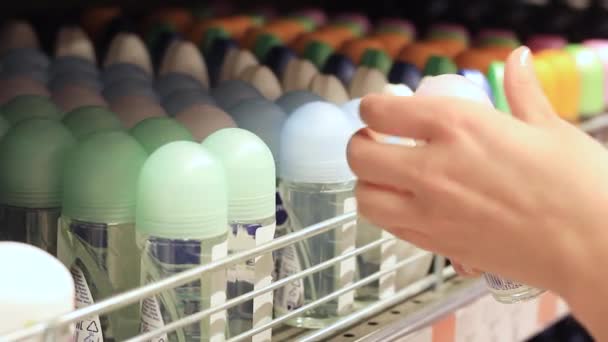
(451, 47)
(179, 18)
(355, 48)
(286, 30)
(418, 53)
(94, 20)
(476, 59)
(562, 67)
(393, 42)
(247, 41)
(238, 26)
(499, 52)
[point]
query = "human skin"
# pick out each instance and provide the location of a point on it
(523, 196)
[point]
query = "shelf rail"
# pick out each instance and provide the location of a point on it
(49, 330)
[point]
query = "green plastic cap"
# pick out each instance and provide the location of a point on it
(318, 52)
(211, 35)
(264, 43)
(377, 59)
(4, 126)
(439, 65)
(153, 133)
(250, 173)
(182, 193)
(100, 178)
(591, 73)
(33, 153)
(87, 120)
(25, 107)
(496, 75)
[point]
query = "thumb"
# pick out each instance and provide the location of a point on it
(524, 93)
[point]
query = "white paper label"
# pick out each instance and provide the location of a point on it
(262, 305)
(217, 321)
(151, 318)
(88, 329)
(386, 284)
(345, 238)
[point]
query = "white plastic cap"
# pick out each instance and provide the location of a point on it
(313, 145)
(35, 287)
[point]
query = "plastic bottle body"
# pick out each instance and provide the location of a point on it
(34, 226)
(100, 257)
(308, 204)
(251, 274)
(162, 258)
(510, 292)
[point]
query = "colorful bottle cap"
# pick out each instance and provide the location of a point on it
(120, 71)
(85, 121)
(402, 26)
(439, 65)
(175, 82)
(393, 42)
(476, 59)
(360, 21)
(72, 97)
(315, 14)
(397, 90)
(244, 157)
(298, 75)
(340, 66)
(377, 59)
(15, 86)
(211, 35)
(165, 205)
(367, 81)
(32, 297)
(330, 88)
(25, 107)
(450, 48)
(185, 58)
(600, 46)
(235, 63)
(479, 78)
(449, 31)
(264, 80)
(405, 73)
(229, 93)
(318, 52)
(263, 118)
(130, 87)
(32, 154)
(159, 39)
(496, 74)
(568, 83)
(292, 100)
(313, 145)
(73, 41)
(592, 80)
(130, 49)
(419, 53)
(216, 56)
(180, 100)
(264, 43)
(278, 58)
(546, 77)
(132, 109)
(95, 187)
(453, 86)
(152, 133)
(539, 42)
(356, 48)
(72, 65)
(203, 120)
(81, 80)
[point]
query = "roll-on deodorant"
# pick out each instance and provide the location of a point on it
(25, 107)
(85, 121)
(153, 133)
(251, 216)
(97, 227)
(316, 184)
(32, 155)
(292, 100)
(503, 290)
(27, 300)
(182, 222)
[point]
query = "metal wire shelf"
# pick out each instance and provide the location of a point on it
(48, 331)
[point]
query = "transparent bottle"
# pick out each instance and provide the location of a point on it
(32, 154)
(250, 176)
(317, 185)
(182, 223)
(97, 230)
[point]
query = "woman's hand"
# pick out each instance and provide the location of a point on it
(523, 196)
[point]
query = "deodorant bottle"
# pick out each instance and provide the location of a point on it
(504, 290)
(317, 185)
(32, 155)
(182, 223)
(25, 299)
(97, 228)
(250, 176)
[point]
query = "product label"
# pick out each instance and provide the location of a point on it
(151, 318)
(88, 329)
(388, 252)
(345, 243)
(216, 325)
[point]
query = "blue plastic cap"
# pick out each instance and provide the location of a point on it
(293, 100)
(277, 59)
(340, 66)
(405, 73)
(172, 82)
(181, 100)
(229, 93)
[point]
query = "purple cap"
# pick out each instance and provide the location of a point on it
(539, 42)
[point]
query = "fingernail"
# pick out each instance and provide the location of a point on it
(527, 74)
(524, 57)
